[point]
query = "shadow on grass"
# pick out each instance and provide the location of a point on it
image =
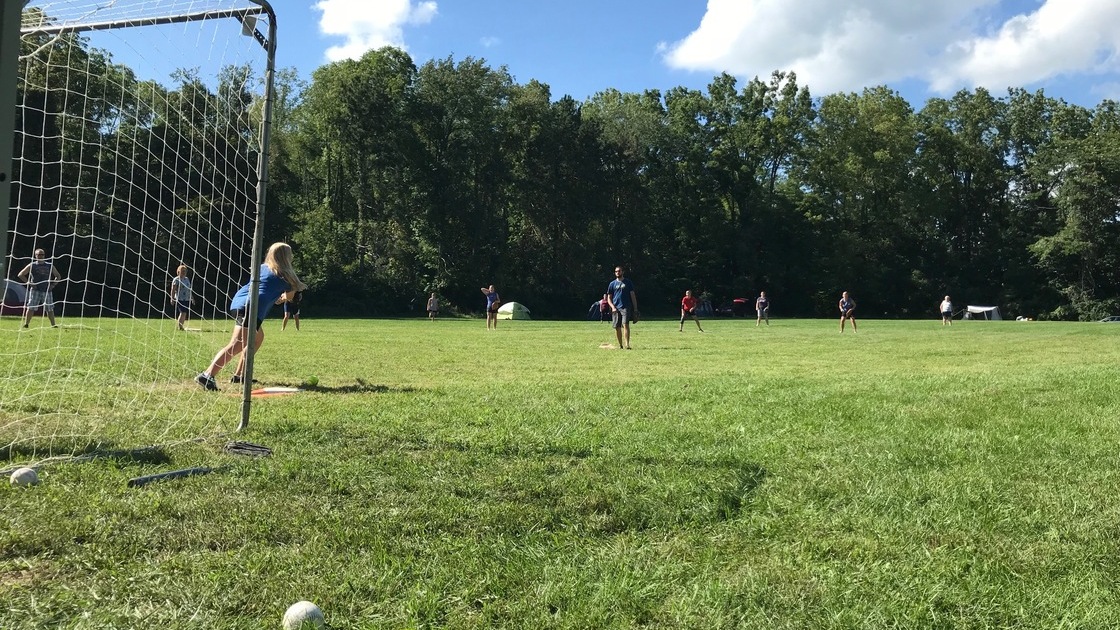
(570, 487)
(359, 387)
(748, 477)
(76, 452)
(656, 498)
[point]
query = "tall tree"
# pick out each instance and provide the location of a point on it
(963, 175)
(858, 176)
(462, 122)
(356, 123)
(1082, 258)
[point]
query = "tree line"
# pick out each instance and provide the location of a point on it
(393, 180)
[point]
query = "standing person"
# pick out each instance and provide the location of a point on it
(762, 307)
(40, 276)
(433, 306)
(279, 283)
(180, 294)
(605, 308)
(492, 304)
(847, 311)
(624, 305)
(946, 312)
(291, 310)
(688, 309)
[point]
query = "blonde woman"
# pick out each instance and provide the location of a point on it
(279, 284)
(181, 297)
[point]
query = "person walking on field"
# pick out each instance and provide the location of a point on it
(291, 310)
(624, 305)
(40, 276)
(762, 307)
(181, 297)
(492, 304)
(278, 283)
(847, 311)
(605, 308)
(433, 306)
(688, 309)
(946, 312)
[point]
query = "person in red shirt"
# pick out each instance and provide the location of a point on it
(688, 309)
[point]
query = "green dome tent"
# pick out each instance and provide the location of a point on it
(513, 310)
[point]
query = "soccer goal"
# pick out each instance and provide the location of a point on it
(139, 145)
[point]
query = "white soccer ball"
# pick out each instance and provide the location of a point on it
(25, 477)
(303, 616)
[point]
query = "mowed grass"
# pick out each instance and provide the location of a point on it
(445, 476)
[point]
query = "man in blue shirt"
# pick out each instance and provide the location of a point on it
(624, 305)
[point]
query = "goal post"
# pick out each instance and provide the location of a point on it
(10, 13)
(118, 179)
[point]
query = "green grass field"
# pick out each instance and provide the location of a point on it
(445, 476)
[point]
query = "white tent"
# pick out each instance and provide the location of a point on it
(981, 312)
(513, 310)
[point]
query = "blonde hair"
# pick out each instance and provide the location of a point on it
(180, 269)
(279, 260)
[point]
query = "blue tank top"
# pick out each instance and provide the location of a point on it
(40, 275)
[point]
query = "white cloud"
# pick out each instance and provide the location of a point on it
(489, 42)
(369, 24)
(950, 44)
(1061, 37)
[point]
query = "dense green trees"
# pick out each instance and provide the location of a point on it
(394, 180)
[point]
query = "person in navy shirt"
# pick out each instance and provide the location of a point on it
(40, 276)
(492, 304)
(291, 310)
(762, 308)
(624, 305)
(847, 311)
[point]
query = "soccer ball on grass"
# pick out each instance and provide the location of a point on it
(24, 477)
(303, 616)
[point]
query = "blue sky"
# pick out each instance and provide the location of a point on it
(922, 48)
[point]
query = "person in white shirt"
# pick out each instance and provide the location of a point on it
(946, 312)
(180, 295)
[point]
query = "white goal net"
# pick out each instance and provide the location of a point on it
(138, 134)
